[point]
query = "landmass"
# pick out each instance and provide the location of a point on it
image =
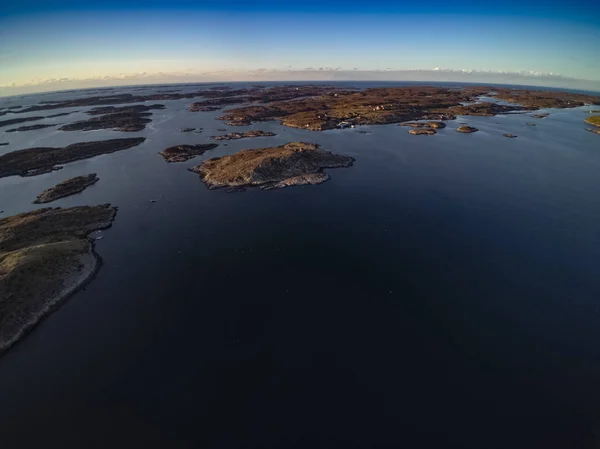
(181, 153)
(67, 188)
(247, 134)
(592, 130)
(61, 114)
(44, 258)
(466, 129)
(295, 163)
(378, 106)
(3, 144)
(126, 119)
(539, 115)
(434, 125)
(510, 136)
(34, 161)
(29, 128)
(594, 120)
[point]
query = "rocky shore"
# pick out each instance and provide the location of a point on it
(67, 188)
(593, 120)
(44, 258)
(34, 161)
(295, 163)
(181, 153)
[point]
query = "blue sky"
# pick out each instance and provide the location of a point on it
(42, 40)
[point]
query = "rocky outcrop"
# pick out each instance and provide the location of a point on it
(44, 258)
(3, 144)
(510, 136)
(67, 188)
(34, 161)
(181, 153)
(294, 163)
(593, 120)
(466, 129)
(422, 131)
(247, 134)
(539, 115)
(433, 125)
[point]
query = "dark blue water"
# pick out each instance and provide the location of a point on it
(442, 292)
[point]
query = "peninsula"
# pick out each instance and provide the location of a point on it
(295, 163)
(44, 258)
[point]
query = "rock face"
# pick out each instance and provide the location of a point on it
(181, 153)
(593, 120)
(422, 131)
(67, 188)
(44, 258)
(466, 129)
(28, 128)
(235, 136)
(294, 163)
(34, 161)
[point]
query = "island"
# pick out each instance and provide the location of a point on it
(422, 131)
(433, 125)
(244, 135)
(539, 115)
(29, 128)
(126, 119)
(3, 144)
(45, 257)
(15, 121)
(386, 105)
(510, 136)
(67, 188)
(181, 153)
(292, 164)
(466, 129)
(35, 161)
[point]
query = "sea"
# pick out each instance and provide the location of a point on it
(443, 292)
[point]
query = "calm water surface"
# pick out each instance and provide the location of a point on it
(442, 292)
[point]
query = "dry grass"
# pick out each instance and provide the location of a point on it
(593, 120)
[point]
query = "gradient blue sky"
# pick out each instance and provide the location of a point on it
(42, 40)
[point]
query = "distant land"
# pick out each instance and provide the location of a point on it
(539, 79)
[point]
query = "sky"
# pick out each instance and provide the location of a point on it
(48, 44)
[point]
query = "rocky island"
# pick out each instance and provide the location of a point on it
(44, 258)
(35, 161)
(181, 153)
(244, 135)
(510, 136)
(295, 163)
(466, 129)
(67, 188)
(422, 131)
(15, 121)
(126, 119)
(29, 128)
